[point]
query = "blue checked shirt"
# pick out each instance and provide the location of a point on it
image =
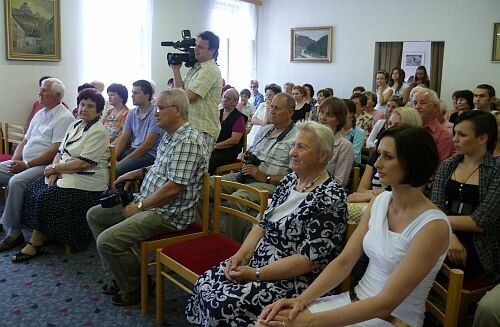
(181, 158)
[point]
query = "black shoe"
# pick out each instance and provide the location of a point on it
(8, 242)
(111, 288)
(22, 257)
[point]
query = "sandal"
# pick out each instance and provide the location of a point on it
(22, 257)
(111, 288)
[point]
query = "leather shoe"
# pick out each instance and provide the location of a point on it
(8, 242)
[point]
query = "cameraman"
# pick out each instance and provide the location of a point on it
(272, 145)
(203, 85)
(166, 202)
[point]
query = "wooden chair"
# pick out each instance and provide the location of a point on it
(13, 135)
(112, 165)
(345, 286)
(449, 292)
(356, 178)
(160, 241)
(224, 169)
(192, 258)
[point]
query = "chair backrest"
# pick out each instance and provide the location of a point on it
(345, 286)
(112, 165)
(13, 134)
(449, 291)
(219, 196)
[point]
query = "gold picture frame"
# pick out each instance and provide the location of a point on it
(495, 56)
(311, 44)
(33, 30)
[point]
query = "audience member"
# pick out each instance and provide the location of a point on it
(99, 86)
(230, 141)
(203, 85)
(137, 144)
(420, 78)
(467, 188)
(354, 134)
(358, 89)
(302, 230)
(405, 237)
(244, 106)
(114, 119)
(257, 98)
(496, 153)
(398, 85)
(55, 204)
(329, 89)
(167, 200)
(322, 95)
(261, 116)
(309, 94)
(442, 117)
(37, 105)
(484, 97)
(271, 147)
(38, 148)
(382, 124)
(365, 121)
(465, 102)
(359, 100)
(426, 102)
(302, 107)
(80, 88)
(384, 92)
(287, 87)
(333, 113)
(488, 310)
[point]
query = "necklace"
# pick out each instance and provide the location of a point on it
(305, 188)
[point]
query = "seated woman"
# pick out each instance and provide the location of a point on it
(464, 102)
(230, 141)
(352, 133)
(322, 95)
(302, 230)
(382, 124)
(55, 205)
(114, 120)
(244, 106)
(333, 113)
(403, 233)
(467, 188)
(302, 107)
(261, 116)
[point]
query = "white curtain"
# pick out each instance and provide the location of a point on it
(117, 41)
(235, 22)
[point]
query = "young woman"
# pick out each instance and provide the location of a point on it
(467, 188)
(322, 95)
(382, 124)
(403, 233)
(420, 78)
(398, 85)
(384, 92)
(302, 107)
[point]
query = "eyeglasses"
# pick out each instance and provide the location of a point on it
(158, 109)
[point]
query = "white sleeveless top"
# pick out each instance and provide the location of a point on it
(386, 250)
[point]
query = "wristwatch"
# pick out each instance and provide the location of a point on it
(257, 274)
(268, 179)
(140, 205)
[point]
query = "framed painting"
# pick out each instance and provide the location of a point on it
(311, 44)
(495, 56)
(33, 30)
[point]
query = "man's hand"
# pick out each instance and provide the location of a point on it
(17, 166)
(128, 178)
(130, 210)
(252, 170)
(176, 68)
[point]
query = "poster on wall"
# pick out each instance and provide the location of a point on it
(33, 30)
(311, 44)
(414, 59)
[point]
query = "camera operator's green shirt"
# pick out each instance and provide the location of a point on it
(205, 80)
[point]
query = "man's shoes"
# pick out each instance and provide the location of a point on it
(8, 242)
(133, 297)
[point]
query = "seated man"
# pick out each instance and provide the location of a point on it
(38, 148)
(140, 130)
(266, 161)
(484, 97)
(166, 202)
(230, 141)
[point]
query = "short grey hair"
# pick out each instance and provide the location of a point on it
(98, 85)
(56, 86)
(232, 92)
(433, 97)
(324, 137)
(177, 97)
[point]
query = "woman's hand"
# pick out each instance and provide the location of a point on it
(231, 264)
(360, 197)
(242, 274)
(49, 170)
(286, 309)
(303, 319)
(52, 179)
(457, 253)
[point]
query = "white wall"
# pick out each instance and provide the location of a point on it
(466, 27)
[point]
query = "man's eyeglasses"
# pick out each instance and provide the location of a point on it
(158, 109)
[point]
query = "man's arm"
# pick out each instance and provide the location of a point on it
(148, 143)
(43, 159)
(18, 153)
(121, 143)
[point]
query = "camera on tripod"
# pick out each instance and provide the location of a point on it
(250, 159)
(111, 198)
(185, 45)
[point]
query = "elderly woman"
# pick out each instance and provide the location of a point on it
(114, 120)
(261, 116)
(244, 106)
(230, 141)
(55, 206)
(301, 231)
(464, 102)
(467, 188)
(403, 233)
(333, 113)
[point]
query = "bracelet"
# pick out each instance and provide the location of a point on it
(26, 163)
(257, 274)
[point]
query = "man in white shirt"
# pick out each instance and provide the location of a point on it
(38, 148)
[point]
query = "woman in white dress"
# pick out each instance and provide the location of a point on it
(261, 116)
(403, 233)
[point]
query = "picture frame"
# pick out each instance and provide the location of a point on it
(33, 30)
(414, 59)
(311, 44)
(495, 55)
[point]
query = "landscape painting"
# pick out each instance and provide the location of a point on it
(311, 44)
(33, 30)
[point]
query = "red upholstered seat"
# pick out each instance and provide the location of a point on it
(193, 228)
(201, 254)
(475, 283)
(5, 157)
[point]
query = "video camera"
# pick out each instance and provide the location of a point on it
(185, 45)
(111, 198)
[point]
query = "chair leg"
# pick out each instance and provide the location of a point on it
(463, 311)
(144, 280)
(67, 249)
(159, 294)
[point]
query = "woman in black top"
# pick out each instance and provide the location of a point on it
(302, 108)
